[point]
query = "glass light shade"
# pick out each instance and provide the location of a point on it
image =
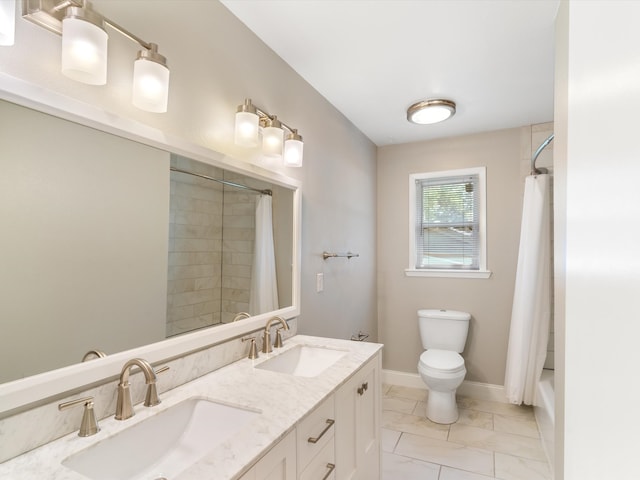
(272, 140)
(84, 51)
(431, 111)
(7, 22)
(246, 134)
(292, 154)
(150, 86)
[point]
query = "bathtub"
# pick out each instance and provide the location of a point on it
(545, 412)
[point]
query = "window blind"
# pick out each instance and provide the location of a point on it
(447, 223)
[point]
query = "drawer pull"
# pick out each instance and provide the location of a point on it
(331, 468)
(330, 422)
(363, 388)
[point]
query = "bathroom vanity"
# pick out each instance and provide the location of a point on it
(309, 410)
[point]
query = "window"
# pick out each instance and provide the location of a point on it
(448, 224)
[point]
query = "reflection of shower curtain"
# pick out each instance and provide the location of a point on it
(264, 288)
(531, 311)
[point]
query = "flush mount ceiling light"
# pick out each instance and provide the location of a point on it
(431, 111)
(84, 49)
(251, 121)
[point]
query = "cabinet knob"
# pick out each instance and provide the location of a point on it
(363, 388)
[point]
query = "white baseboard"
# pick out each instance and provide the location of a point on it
(477, 390)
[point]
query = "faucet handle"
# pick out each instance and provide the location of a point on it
(89, 424)
(151, 399)
(253, 348)
(278, 343)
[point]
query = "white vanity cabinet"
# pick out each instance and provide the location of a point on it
(279, 463)
(357, 434)
(338, 440)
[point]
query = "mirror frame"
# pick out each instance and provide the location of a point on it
(18, 394)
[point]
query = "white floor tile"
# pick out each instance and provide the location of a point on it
(389, 439)
(475, 418)
(398, 404)
(509, 467)
(494, 407)
(396, 467)
(490, 440)
(448, 473)
(419, 394)
(497, 441)
(403, 422)
(446, 453)
(519, 425)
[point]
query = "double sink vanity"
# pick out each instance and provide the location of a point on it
(308, 410)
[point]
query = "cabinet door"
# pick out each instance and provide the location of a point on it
(357, 425)
(279, 463)
(367, 431)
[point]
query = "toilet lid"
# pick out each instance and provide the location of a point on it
(444, 360)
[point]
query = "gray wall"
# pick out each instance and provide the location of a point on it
(506, 155)
(215, 63)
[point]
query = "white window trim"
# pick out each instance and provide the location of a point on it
(483, 271)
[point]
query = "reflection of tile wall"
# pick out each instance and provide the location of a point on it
(239, 234)
(238, 244)
(195, 248)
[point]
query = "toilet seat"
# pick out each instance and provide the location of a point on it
(443, 361)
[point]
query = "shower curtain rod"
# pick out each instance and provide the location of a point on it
(534, 170)
(224, 182)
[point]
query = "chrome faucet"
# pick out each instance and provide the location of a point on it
(266, 343)
(124, 407)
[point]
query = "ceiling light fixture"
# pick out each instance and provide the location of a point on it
(251, 121)
(431, 111)
(7, 22)
(84, 49)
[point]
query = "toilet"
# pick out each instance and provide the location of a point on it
(443, 334)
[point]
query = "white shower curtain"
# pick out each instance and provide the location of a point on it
(531, 311)
(264, 287)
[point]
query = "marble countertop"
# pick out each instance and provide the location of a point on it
(282, 399)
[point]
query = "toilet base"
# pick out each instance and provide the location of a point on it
(442, 407)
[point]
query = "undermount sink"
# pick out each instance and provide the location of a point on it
(162, 445)
(303, 361)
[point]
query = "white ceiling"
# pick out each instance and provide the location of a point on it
(373, 58)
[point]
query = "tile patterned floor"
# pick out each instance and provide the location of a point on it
(489, 441)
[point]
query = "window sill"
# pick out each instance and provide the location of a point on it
(410, 272)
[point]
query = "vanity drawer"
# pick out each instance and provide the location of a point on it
(315, 431)
(322, 467)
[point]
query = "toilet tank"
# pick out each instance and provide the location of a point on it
(443, 329)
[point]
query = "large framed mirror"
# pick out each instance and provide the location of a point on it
(124, 241)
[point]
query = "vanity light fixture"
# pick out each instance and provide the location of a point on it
(7, 22)
(431, 111)
(84, 49)
(84, 46)
(272, 137)
(293, 147)
(251, 121)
